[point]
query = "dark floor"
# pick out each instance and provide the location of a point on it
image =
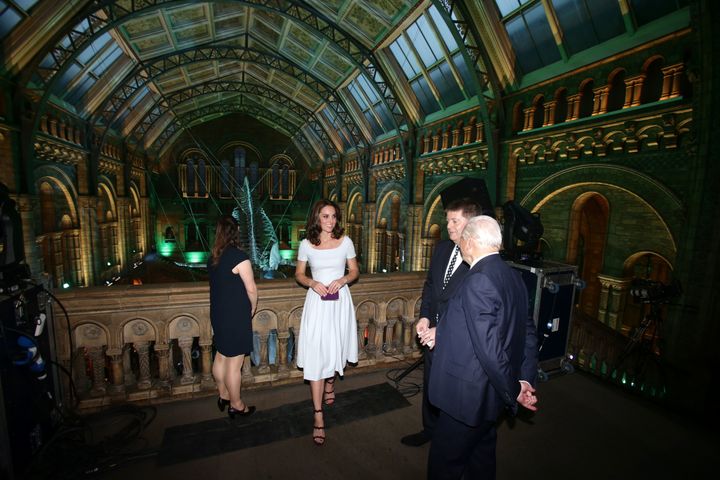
(585, 429)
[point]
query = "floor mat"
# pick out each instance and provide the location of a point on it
(213, 437)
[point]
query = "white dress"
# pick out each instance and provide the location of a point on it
(328, 328)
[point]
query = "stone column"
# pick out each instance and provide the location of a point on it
(283, 338)
(408, 332)
(456, 137)
(573, 107)
(549, 118)
(480, 132)
(88, 237)
(247, 375)
(467, 134)
(162, 350)
(98, 371)
(206, 378)
(633, 90)
(264, 366)
(370, 221)
(603, 300)
(124, 232)
(143, 352)
(362, 353)
(27, 207)
(116, 362)
(529, 114)
(185, 344)
(128, 375)
(671, 81)
(600, 100)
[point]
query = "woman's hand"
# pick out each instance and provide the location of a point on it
(319, 288)
(336, 285)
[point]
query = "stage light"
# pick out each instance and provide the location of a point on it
(66, 285)
(522, 231)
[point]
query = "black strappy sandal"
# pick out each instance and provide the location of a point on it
(319, 440)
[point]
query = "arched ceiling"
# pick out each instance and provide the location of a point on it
(333, 75)
(143, 70)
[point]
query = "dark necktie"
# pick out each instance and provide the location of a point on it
(451, 267)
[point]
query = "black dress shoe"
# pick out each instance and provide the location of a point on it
(249, 410)
(415, 439)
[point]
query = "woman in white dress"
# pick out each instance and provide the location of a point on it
(328, 329)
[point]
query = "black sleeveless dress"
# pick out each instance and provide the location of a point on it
(230, 305)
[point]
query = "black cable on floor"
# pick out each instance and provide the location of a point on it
(96, 443)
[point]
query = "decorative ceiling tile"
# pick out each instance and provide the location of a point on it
(146, 25)
(368, 23)
(196, 34)
(179, 17)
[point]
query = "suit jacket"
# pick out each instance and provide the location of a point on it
(434, 297)
(484, 344)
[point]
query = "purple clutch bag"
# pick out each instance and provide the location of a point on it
(330, 296)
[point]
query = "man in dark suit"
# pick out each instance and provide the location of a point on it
(445, 273)
(485, 358)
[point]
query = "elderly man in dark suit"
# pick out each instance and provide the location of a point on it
(485, 358)
(445, 273)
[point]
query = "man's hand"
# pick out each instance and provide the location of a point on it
(527, 397)
(425, 333)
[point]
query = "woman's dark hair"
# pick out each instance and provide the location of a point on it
(312, 229)
(226, 234)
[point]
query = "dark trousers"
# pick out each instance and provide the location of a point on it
(458, 451)
(429, 412)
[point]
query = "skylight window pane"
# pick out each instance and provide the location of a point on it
(576, 24)
(443, 29)
(419, 42)
(367, 89)
(8, 19)
(357, 96)
(405, 57)
(374, 125)
(465, 74)
(648, 10)
(448, 89)
(72, 72)
(86, 55)
(80, 90)
(539, 28)
(506, 6)
(522, 43)
(384, 114)
(25, 4)
(106, 60)
(425, 97)
(607, 19)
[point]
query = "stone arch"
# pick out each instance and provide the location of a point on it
(644, 200)
(616, 90)
(653, 83)
(137, 330)
(62, 183)
(183, 326)
(264, 321)
(91, 334)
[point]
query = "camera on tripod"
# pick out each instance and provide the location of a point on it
(651, 291)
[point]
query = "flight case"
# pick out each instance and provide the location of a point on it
(551, 293)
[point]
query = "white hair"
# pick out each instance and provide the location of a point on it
(484, 230)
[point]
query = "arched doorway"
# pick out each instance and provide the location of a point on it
(586, 246)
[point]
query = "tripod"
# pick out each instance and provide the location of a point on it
(643, 348)
(412, 367)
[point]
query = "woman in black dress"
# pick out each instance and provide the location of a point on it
(233, 298)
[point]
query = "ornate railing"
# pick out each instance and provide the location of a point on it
(607, 353)
(154, 342)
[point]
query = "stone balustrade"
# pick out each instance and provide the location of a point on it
(154, 342)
